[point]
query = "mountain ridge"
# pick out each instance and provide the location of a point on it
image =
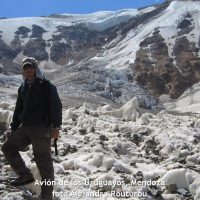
(156, 46)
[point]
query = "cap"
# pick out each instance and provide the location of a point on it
(29, 61)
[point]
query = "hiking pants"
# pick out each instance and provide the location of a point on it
(40, 138)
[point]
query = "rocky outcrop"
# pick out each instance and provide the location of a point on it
(161, 74)
(59, 52)
(23, 31)
(36, 48)
(153, 68)
(6, 52)
(37, 31)
(16, 44)
(187, 59)
(185, 26)
(75, 43)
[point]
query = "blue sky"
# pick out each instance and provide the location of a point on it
(28, 8)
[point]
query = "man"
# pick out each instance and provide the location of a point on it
(37, 117)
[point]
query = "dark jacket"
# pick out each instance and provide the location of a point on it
(39, 105)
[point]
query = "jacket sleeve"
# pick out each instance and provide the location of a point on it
(18, 109)
(55, 107)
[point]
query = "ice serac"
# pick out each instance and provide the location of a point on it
(130, 111)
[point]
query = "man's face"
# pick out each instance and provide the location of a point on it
(29, 72)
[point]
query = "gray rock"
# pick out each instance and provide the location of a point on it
(171, 188)
(36, 48)
(23, 31)
(82, 131)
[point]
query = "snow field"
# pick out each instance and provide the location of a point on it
(119, 150)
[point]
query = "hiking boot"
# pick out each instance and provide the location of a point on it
(22, 180)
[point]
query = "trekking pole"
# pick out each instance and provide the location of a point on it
(56, 147)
